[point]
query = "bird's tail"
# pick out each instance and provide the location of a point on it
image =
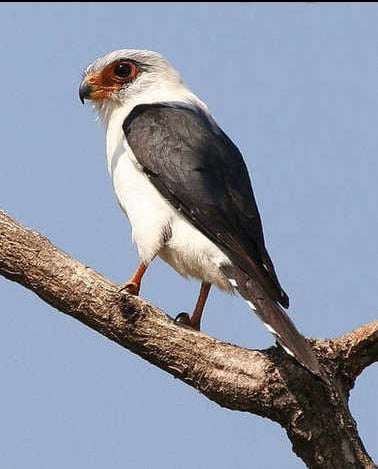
(274, 318)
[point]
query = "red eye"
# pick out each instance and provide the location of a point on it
(125, 70)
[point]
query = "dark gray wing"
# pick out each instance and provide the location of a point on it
(194, 165)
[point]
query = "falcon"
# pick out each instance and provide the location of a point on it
(185, 189)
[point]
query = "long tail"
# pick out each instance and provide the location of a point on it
(275, 319)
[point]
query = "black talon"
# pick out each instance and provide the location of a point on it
(183, 319)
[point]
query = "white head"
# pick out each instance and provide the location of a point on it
(127, 77)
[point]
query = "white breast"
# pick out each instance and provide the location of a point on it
(157, 227)
(149, 214)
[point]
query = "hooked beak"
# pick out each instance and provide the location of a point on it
(85, 91)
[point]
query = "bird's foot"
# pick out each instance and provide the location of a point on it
(123, 300)
(130, 287)
(186, 320)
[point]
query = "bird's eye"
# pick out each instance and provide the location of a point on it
(124, 69)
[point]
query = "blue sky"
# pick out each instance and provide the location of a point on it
(295, 86)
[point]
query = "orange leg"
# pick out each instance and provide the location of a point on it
(194, 320)
(133, 284)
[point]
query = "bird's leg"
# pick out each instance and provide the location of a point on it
(194, 320)
(133, 284)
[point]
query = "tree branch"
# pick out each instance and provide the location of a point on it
(267, 383)
(353, 352)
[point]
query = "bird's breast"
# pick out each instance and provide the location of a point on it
(157, 227)
(149, 213)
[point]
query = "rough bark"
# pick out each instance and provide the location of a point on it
(264, 382)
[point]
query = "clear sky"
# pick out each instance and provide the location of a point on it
(295, 86)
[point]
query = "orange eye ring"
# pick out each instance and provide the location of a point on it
(108, 81)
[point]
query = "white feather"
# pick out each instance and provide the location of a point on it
(233, 282)
(251, 305)
(271, 330)
(287, 350)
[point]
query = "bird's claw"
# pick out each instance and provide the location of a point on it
(130, 287)
(185, 320)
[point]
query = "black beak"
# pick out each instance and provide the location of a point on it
(84, 91)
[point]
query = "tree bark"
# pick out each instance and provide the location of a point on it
(267, 382)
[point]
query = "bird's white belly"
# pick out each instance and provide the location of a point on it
(158, 228)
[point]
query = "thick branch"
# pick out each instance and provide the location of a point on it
(354, 351)
(268, 383)
(203, 362)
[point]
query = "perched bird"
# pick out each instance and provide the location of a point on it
(185, 188)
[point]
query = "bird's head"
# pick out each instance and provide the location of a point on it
(128, 77)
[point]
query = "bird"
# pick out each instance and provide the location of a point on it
(186, 190)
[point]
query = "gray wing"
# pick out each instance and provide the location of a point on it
(195, 166)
